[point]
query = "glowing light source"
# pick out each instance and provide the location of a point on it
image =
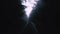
(28, 11)
(29, 5)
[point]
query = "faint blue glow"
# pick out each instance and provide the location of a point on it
(29, 4)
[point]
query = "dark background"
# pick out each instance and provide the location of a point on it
(12, 14)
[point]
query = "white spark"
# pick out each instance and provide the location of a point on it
(29, 4)
(28, 11)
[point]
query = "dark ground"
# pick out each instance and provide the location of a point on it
(47, 19)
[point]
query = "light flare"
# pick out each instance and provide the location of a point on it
(29, 5)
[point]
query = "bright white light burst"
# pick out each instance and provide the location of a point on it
(29, 5)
